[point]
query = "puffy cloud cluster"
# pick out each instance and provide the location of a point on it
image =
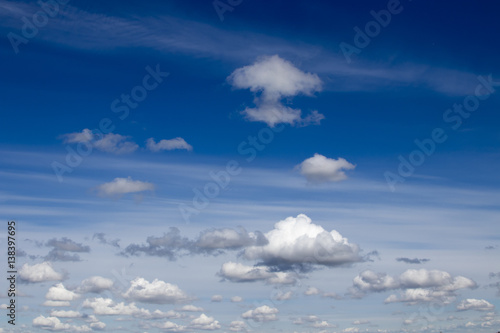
(106, 306)
(272, 79)
(237, 272)
(169, 326)
(120, 186)
(172, 144)
(39, 273)
(475, 304)
(417, 285)
(156, 292)
(261, 314)
(293, 243)
(320, 169)
(297, 241)
(54, 324)
(203, 322)
(237, 326)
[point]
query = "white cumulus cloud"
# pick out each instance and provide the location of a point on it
(475, 304)
(296, 240)
(60, 293)
(157, 291)
(261, 314)
(203, 322)
(54, 324)
(416, 286)
(39, 273)
(95, 284)
(320, 169)
(272, 79)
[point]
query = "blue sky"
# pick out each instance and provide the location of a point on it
(243, 166)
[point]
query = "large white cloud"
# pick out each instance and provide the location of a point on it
(172, 144)
(54, 324)
(120, 186)
(203, 322)
(60, 293)
(475, 304)
(158, 292)
(275, 78)
(261, 314)
(237, 272)
(296, 240)
(320, 169)
(39, 273)
(95, 284)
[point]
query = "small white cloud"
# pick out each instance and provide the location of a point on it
(203, 322)
(39, 273)
(282, 296)
(237, 326)
(158, 292)
(320, 169)
(311, 291)
(332, 295)
(322, 324)
(172, 144)
(56, 303)
(261, 314)
(169, 326)
(191, 308)
(60, 293)
(54, 324)
(273, 79)
(95, 284)
(236, 299)
(216, 298)
(65, 314)
(78, 137)
(120, 186)
(475, 304)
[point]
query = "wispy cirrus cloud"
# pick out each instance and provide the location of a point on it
(171, 144)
